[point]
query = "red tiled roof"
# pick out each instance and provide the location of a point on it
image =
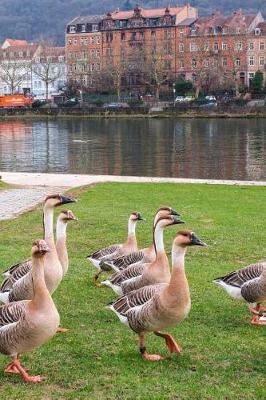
(17, 42)
(146, 13)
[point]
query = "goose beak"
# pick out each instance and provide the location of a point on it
(178, 220)
(196, 241)
(174, 212)
(66, 199)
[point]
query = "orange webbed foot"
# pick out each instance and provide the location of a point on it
(152, 357)
(61, 330)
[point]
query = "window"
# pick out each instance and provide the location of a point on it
(251, 46)
(61, 58)
(83, 28)
(167, 64)
(237, 62)
(224, 62)
(181, 32)
(167, 34)
(216, 46)
(251, 75)
(181, 47)
(75, 41)
(238, 46)
(261, 46)
(86, 42)
(194, 63)
(20, 53)
(98, 39)
(224, 46)
(94, 27)
(193, 46)
(206, 63)
(133, 36)
(72, 29)
(257, 31)
(206, 47)
(238, 30)
(181, 63)
(261, 61)
(251, 61)
(109, 37)
(123, 36)
(153, 33)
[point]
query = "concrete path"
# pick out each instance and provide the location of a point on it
(16, 201)
(73, 180)
(34, 187)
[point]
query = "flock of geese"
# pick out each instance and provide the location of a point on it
(152, 297)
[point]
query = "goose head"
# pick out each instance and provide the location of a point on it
(39, 248)
(164, 212)
(186, 238)
(168, 221)
(67, 215)
(57, 200)
(136, 216)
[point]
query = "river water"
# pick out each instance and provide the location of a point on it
(188, 148)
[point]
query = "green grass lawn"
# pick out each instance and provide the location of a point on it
(223, 355)
(3, 185)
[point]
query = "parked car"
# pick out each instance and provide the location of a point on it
(184, 99)
(210, 98)
(115, 106)
(209, 105)
(179, 99)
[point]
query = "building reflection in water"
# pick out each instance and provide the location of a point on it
(191, 148)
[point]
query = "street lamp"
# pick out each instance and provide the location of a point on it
(174, 93)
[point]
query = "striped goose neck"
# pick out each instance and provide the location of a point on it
(48, 217)
(158, 237)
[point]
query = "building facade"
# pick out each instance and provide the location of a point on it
(38, 69)
(152, 47)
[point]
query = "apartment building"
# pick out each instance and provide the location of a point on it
(169, 41)
(36, 68)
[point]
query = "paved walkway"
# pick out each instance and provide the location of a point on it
(34, 187)
(16, 201)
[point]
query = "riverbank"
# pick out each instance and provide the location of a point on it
(70, 113)
(98, 357)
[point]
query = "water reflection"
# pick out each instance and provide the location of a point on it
(195, 148)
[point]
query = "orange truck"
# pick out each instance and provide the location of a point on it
(15, 100)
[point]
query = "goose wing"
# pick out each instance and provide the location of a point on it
(130, 272)
(109, 251)
(14, 273)
(241, 276)
(11, 313)
(136, 298)
(124, 261)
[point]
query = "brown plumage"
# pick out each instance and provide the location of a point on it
(156, 307)
(27, 324)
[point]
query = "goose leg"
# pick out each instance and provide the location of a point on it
(255, 320)
(95, 278)
(61, 330)
(16, 366)
(169, 341)
(12, 369)
(144, 354)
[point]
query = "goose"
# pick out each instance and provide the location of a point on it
(156, 307)
(64, 217)
(22, 288)
(143, 274)
(146, 255)
(17, 271)
(247, 284)
(98, 257)
(25, 325)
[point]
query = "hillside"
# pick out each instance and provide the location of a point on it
(36, 19)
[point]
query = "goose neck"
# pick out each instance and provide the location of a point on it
(48, 215)
(158, 238)
(61, 229)
(131, 227)
(39, 286)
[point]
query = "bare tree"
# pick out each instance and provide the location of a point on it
(13, 72)
(47, 66)
(115, 71)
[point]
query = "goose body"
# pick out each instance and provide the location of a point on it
(143, 256)
(18, 284)
(139, 275)
(155, 307)
(27, 324)
(99, 257)
(249, 285)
